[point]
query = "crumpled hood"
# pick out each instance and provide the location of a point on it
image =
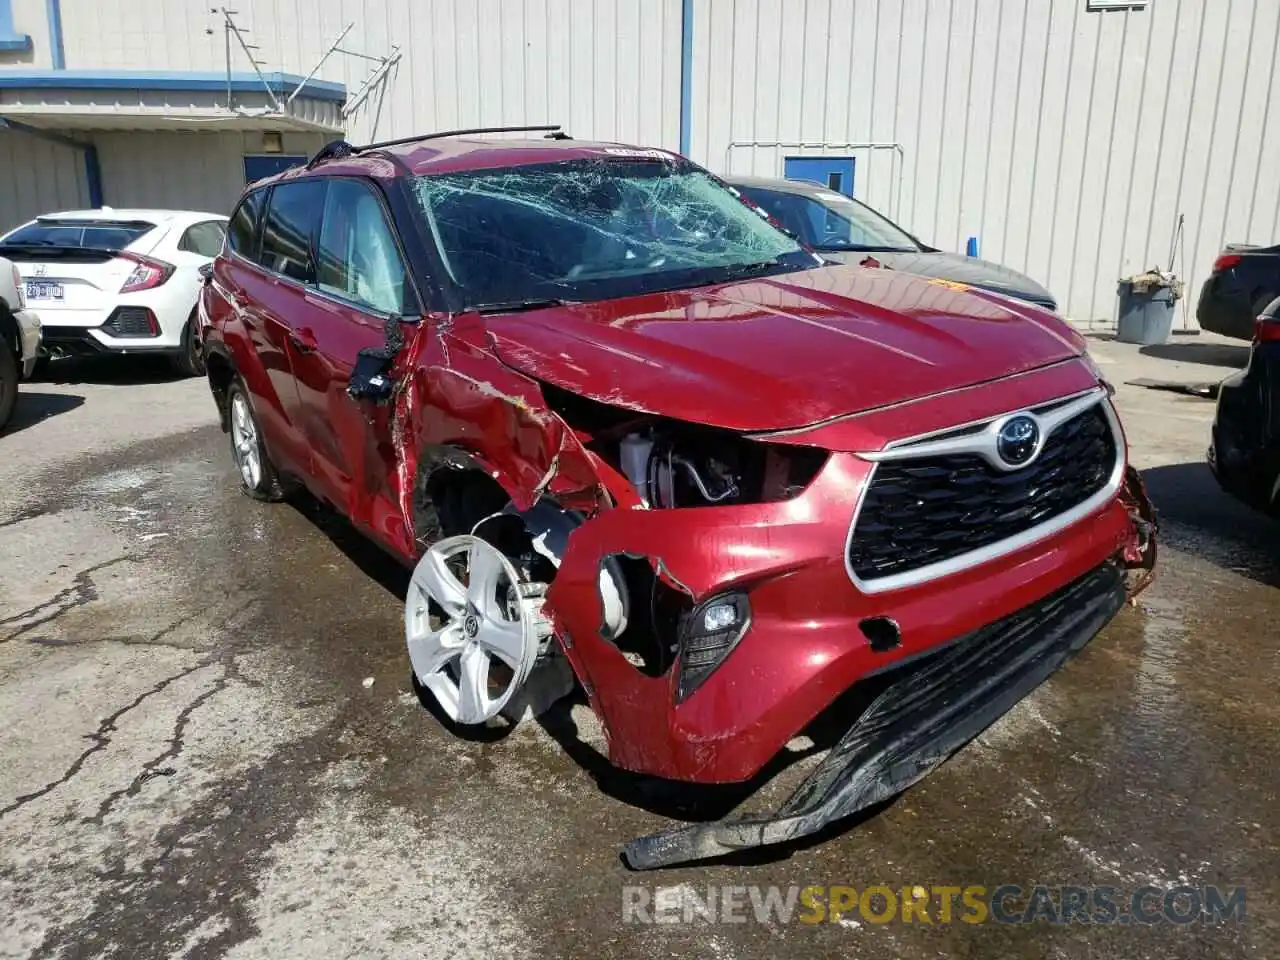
(962, 269)
(782, 351)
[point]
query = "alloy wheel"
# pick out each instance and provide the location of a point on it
(472, 639)
(244, 437)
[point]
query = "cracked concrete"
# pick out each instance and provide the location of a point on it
(193, 768)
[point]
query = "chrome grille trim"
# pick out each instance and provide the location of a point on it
(982, 443)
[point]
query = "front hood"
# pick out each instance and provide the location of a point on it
(961, 269)
(783, 351)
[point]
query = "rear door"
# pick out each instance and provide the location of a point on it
(72, 269)
(262, 281)
(361, 281)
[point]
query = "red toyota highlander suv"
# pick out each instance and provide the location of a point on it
(609, 412)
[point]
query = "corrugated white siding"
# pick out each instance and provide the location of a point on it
(608, 69)
(603, 68)
(186, 171)
(1069, 142)
(37, 176)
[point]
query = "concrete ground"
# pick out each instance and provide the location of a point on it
(209, 745)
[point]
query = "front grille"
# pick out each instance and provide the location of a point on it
(130, 322)
(926, 510)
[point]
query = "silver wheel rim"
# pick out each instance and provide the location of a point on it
(244, 438)
(475, 626)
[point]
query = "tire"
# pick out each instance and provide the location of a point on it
(190, 361)
(259, 478)
(8, 381)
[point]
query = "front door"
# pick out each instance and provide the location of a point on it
(834, 173)
(361, 281)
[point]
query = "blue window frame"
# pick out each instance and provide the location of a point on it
(9, 40)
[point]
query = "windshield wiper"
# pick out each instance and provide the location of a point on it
(750, 269)
(516, 306)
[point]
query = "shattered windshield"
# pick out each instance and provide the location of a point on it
(594, 230)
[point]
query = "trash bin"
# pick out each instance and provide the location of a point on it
(1147, 305)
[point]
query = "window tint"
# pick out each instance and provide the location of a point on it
(359, 260)
(104, 234)
(289, 225)
(242, 231)
(203, 238)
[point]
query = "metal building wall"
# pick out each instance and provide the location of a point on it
(603, 68)
(1068, 141)
(37, 176)
(187, 171)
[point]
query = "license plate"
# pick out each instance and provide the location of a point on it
(44, 290)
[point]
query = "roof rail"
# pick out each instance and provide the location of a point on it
(339, 149)
(542, 128)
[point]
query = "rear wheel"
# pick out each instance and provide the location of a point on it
(8, 381)
(258, 476)
(190, 361)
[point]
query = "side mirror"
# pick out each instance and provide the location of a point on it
(206, 272)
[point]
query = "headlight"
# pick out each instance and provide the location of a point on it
(1096, 370)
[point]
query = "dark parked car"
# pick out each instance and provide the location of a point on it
(1245, 453)
(849, 231)
(1244, 281)
(608, 413)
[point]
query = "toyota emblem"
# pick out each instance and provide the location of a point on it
(1018, 440)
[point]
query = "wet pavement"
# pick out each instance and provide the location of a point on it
(194, 762)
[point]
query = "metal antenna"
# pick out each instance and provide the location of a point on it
(232, 27)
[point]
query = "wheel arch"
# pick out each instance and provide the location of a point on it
(221, 370)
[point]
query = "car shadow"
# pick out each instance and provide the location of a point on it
(372, 560)
(120, 371)
(1231, 355)
(1198, 517)
(703, 803)
(36, 406)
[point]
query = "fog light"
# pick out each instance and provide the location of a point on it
(708, 634)
(720, 616)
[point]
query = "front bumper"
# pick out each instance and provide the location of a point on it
(30, 332)
(931, 709)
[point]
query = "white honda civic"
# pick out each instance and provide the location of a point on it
(117, 281)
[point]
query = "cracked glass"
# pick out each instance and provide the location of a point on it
(596, 229)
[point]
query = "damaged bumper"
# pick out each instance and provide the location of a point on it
(931, 710)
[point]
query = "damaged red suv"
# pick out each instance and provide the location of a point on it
(608, 412)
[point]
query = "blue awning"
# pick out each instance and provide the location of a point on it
(281, 84)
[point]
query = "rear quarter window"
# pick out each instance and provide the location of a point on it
(242, 231)
(204, 238)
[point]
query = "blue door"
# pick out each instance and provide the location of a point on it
(834, 173)
(255, 168)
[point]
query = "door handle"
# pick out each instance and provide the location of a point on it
(304, 340)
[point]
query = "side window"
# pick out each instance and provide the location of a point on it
(203, 238)
(359, 259)
(289, 226)
(242, 232)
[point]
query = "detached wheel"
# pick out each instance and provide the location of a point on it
(472, 634)
(258, 476)
(8, 381)
(190, 361)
